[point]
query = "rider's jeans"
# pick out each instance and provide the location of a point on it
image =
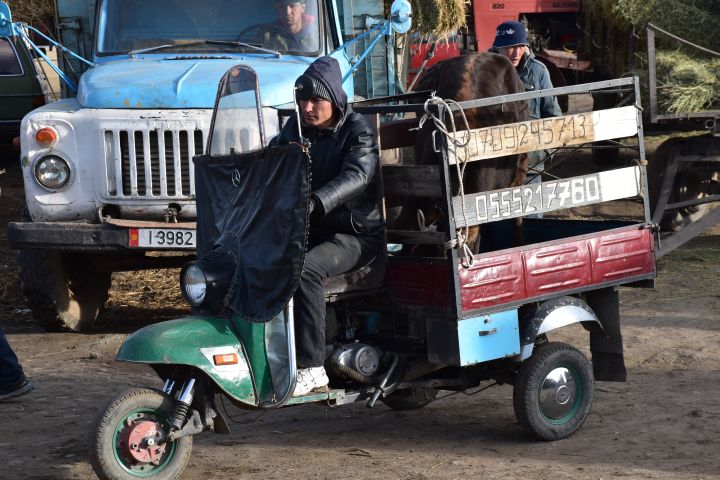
(10, 370)
(337, 254)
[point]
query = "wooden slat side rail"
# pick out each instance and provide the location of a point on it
(548, 196)
(546, 133)
(414, 237)
(397, 134)
(412, 180)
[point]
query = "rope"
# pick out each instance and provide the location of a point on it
(455, 143)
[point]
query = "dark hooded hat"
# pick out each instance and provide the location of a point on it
(323, 79)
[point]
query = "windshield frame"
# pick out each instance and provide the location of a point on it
(100, 24)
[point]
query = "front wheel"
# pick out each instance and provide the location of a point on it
(63, 290)
(127, 440)
(553, 391)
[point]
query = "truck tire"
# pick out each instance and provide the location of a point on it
(63, 290)
(692, 180)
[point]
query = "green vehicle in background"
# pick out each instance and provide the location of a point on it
(20, 90)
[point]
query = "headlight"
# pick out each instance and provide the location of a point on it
(52, 172)
(204, 283)
(194, 284)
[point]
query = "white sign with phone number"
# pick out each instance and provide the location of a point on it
(547, 196)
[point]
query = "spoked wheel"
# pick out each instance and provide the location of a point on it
(410, 398)
(553, 391)
(128, 441)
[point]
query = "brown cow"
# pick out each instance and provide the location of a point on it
(469, 77)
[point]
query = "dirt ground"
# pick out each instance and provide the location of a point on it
(664, 423)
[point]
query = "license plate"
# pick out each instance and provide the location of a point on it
(162, 238)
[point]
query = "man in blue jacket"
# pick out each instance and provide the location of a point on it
(511, 41)
(346, 227)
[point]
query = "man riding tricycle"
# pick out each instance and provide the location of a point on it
(296, 300)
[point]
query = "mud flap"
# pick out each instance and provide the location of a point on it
(607, 349)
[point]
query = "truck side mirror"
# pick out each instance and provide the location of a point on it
(401, 16)
(6, 25)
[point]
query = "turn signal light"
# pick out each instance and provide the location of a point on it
(225, 359)
(46, 137)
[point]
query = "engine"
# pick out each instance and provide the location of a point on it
(357, 361)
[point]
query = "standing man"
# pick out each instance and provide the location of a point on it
(511, 41)
(346, 228)
(13, 381)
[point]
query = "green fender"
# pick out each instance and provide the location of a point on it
(193, 341)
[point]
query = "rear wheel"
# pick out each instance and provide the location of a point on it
(127, 441)
(410, 398)
(553, 391)
(63, 290)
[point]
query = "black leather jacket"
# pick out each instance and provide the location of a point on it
(344, 175)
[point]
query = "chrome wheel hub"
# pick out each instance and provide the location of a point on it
(558, 393)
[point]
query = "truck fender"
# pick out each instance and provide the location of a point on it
(553, 314)
(194, 341)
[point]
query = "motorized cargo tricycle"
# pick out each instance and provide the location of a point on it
(403, 327)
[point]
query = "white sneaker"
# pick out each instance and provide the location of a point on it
(308, 379)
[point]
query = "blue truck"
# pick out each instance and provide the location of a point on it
(108, 169)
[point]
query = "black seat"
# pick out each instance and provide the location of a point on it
(367, 277)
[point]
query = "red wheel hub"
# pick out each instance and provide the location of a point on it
(142, 441)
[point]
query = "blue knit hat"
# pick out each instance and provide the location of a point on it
(509, 34)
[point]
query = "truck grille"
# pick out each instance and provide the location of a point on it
(156, 163)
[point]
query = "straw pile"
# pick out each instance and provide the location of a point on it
(687, 84)
(436, 18)
(33, 12)
(687, 77)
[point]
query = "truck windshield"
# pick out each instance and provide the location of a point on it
(285, 26)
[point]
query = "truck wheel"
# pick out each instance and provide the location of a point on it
(553, 391)
(410, 398)
(63, 290)
(692, 180)
(126, 441)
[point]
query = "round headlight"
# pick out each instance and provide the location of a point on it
(52, 172)
(194, 284)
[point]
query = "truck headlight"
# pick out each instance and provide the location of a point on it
(204, 283)
(52, 172)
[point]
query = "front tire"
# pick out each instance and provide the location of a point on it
(553, 391)
(63, 290)
(119, 447)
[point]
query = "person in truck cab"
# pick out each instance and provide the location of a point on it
(346, 227)
(295, 30)
(511, 41)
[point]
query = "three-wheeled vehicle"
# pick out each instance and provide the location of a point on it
(403, 327)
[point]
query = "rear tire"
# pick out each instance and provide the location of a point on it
(410, 398)
(63, 290)
(117, 439)
(553, 391)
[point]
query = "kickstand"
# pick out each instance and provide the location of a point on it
(383, 388)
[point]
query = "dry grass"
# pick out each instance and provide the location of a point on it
(687, 84)
(436, 18)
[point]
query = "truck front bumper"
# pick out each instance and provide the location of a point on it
(84, 237)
